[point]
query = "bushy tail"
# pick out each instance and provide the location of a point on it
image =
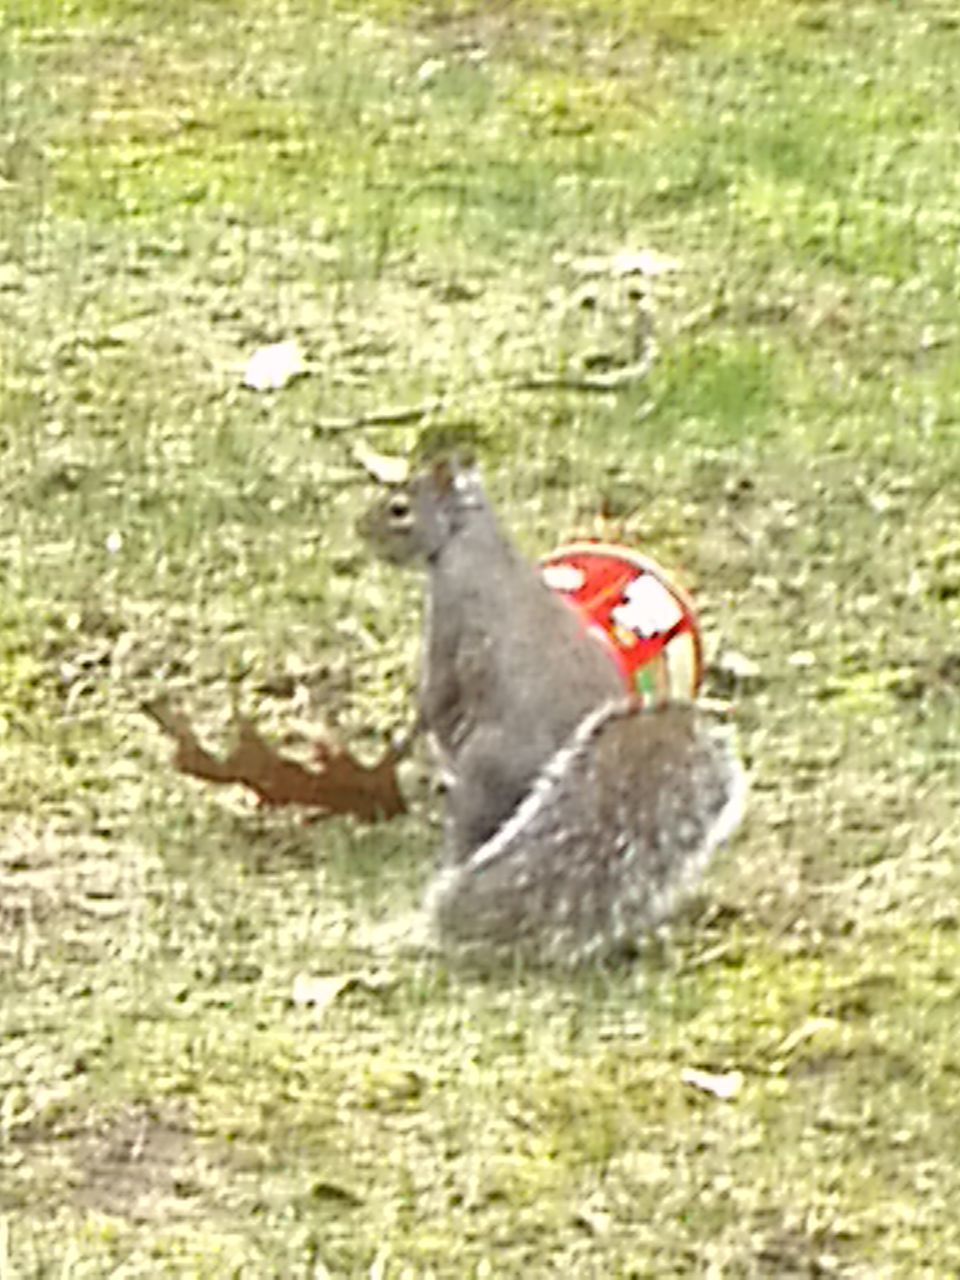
(624, 818)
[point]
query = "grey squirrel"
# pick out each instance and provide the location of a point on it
(574, 817)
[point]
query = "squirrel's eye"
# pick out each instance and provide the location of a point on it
(399, 506)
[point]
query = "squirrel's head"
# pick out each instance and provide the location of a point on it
(415, 520)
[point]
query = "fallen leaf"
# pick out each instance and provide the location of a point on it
(597, 1221)
(101, 908)
(806, 1031)
(319, 992)
(429, 70)
(270, 368)
(644, 262)
(802, 658)
(382, 467)
(338, 785)
(725, 1086)
(738, 666)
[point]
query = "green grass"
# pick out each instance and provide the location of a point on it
(411, 191)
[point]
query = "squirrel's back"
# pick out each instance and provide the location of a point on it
(620, 823)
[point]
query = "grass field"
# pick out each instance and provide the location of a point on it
(429, 198)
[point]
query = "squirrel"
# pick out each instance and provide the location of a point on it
(575, 817)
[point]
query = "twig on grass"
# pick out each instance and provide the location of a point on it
(394, 417)
(611, 380)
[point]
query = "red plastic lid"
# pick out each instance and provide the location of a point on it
(646, 621)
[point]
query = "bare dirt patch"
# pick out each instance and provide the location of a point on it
(135, 1164)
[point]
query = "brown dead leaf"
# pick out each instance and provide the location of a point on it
(339, 784)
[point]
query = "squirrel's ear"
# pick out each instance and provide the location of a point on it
(444, 474)
(454, 473)
(461, 461)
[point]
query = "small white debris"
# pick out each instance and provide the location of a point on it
(628, 262)
(806, 1031)
(931, 338)
(724, 1086)
(382, 467)
(597, 1221)
(733, 663)
(802, 658)
(114, 542)
(644, 262)
(270, 368)
(429, 70)
(321, 991)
